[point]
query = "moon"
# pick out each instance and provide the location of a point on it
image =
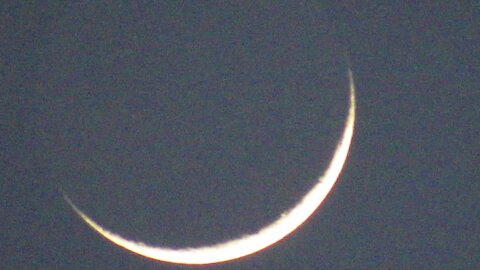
(251, 243)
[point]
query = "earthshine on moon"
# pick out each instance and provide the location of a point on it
(247, 244)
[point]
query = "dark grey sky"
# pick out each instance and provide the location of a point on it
(187, 124)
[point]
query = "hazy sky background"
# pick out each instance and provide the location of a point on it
(188, 124)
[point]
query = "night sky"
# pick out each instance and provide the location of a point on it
(186, 124)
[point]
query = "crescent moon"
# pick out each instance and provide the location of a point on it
(252, 243)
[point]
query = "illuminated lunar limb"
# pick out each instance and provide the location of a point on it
(247, 244)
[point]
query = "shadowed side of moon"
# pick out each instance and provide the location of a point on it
(251, 243)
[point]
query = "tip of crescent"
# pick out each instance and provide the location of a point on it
(352, 89)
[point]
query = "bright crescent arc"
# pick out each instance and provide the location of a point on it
(248, 244)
